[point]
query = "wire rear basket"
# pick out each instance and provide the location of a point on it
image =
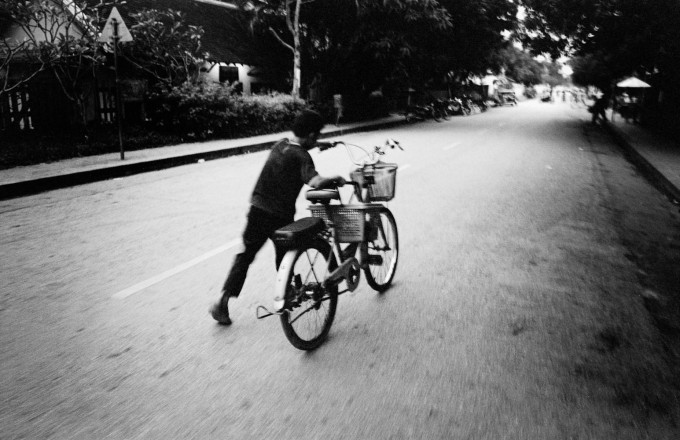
(379, 179)
(349, 221)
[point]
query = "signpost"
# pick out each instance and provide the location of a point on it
(116, 31)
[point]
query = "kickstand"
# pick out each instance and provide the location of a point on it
(261, 312)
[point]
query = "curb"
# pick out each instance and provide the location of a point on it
(42, 184)
(644, 166)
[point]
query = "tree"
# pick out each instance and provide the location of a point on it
(270, 13)
(57, 37)
(590, 69)
(360, 46)
(15, 53)
(370, 29)
(405, 44)
(20, 54)
(626, 36)
(519, 65)
(551, 73)
(479, 31)
(164, 47)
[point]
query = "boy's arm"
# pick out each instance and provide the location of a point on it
(318, 182)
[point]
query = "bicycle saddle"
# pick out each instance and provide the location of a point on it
(298, 232)
(322, 195)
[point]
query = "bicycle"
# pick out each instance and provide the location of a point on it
(333, 246)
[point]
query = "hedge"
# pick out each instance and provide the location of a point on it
(212, 111)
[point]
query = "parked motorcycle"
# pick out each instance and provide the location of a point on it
(457, 106)
(481, 104)
(471, 104)
(422, 112)
(440, 109)
(507, 98)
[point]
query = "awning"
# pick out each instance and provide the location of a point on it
(632, 82)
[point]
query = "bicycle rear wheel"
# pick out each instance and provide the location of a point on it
(382, 250)
(309, 307)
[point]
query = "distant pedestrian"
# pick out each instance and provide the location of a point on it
(598, 109)
(288, 167)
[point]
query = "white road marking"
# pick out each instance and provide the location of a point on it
(175, 270)
(449, 147)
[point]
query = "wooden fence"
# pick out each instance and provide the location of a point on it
(15, 110)
(43, 107)
(106, 105)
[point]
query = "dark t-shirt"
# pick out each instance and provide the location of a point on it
(288, 167)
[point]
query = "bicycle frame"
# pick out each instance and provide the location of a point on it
(348, 265)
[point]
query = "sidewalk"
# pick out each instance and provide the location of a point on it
(26, 180)
(657, 157)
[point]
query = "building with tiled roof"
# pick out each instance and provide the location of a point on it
(233, 53)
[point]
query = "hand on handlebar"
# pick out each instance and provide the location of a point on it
(326, 145)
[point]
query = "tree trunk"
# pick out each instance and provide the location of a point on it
(296, 69)
(297, 57)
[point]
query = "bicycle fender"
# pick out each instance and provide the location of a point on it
(282, 279)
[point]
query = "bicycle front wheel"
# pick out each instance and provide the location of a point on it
(309, 307)
(382, 250)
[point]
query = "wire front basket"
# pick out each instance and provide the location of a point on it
(379, 179)
(349, 221)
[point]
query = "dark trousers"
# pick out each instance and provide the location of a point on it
(259, 227)
(598, 112)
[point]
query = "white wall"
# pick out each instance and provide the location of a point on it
(213, 73)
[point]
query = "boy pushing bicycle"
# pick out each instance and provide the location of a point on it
(288, 167)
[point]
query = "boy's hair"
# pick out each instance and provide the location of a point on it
(307, 122)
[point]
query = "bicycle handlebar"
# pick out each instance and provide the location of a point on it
(377, 150)
(323, 146)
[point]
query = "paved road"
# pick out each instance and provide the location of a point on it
(493, 329)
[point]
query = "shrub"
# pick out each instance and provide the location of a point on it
(211, 110)
(530, 92)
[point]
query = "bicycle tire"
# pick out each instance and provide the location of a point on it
(307, 318)
(379, 274)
